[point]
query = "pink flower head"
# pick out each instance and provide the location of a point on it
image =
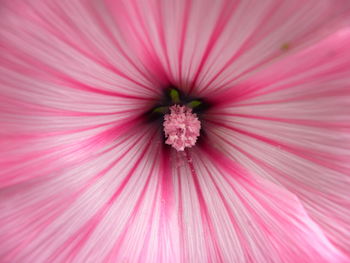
(174, 131)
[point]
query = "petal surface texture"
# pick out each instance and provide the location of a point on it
(292, 127)
(85, 177)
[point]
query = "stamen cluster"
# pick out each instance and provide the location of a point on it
(181, 127)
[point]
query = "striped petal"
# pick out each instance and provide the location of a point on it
(290, 124)
(67, 86)
(110, 209)
(229, 215)
(125, 207)
(204, 46)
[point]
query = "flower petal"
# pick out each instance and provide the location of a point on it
(123, 206)
(290, 124)
(66, 86)
(229, 215)
(80, 42)
(204, 45)
(110, 209)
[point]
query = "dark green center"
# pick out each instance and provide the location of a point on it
(173, 96)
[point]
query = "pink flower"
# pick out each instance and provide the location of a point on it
(261, 174)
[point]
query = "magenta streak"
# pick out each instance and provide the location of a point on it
(183, 35)
(278, 174)
(249, 186)
(166, 184)
(313, 123)
(115, 131)
(162, 211)
(215, 36)
(113, 254)
(232, 96)
(111, 148)
(181, 221)
(87, 229)
(208, 227)
(326, 126)
(151, 53)
(167, 194)
(36, 65)
(102, 62)
(243, 49)
(253, 90)
(46, 111)
(73, 83)
(233, 218)
(159, 24)
(284, 146)
(79, 85)
(112, 38)
(69, 200)
(111, 133)
(240, 175)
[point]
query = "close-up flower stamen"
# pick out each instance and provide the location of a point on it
(181, 127)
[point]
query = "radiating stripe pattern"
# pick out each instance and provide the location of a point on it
(85, 177)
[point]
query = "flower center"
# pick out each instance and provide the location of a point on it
(181, 116)
(181, 127)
